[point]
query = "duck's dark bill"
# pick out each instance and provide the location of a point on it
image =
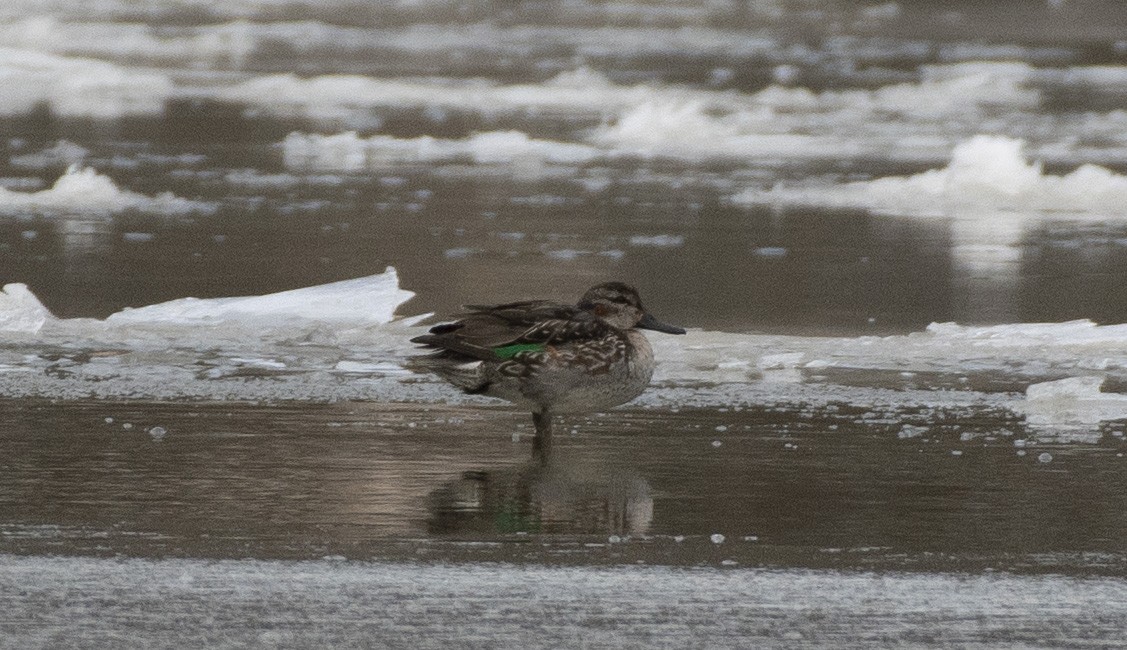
(648, 322)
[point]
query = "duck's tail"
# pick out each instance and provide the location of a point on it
(466, 374)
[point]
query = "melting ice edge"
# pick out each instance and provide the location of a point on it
(344, 341)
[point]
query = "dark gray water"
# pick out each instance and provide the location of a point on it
(779, 488)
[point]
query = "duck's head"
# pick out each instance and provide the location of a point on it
(618, 304)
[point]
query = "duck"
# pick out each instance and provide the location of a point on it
(546, 357)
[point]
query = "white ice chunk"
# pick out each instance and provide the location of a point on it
(1032, 335)
(911, 431)
(368, 300)
(658, 241)
(83, 190)
(333, 97)
(688, 130)
(985, 173)
(1072, 402)
(78, 87)
(20, 310)
(349, 152)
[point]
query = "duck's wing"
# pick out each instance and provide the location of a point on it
(495, 332)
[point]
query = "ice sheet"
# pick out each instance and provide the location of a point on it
(142, 603)
(332, 96)
(370, 300)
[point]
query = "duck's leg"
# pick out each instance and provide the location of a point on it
(542, 442)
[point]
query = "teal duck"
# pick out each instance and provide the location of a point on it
(547, 357)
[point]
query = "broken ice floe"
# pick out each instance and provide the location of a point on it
(20, 310)
(356, 303)
(360, 301)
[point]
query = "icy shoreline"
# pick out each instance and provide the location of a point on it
(343, 341)
(339, 603)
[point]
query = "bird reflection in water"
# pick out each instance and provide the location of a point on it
(536, 497)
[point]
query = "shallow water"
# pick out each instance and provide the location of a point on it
(758, 487)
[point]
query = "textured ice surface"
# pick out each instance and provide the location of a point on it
(364, 301)
(20, 310)
(136, 603)
(1071, 407)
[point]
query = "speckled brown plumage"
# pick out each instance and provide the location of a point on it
(549, 357)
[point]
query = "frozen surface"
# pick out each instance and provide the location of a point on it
(348, 340)
(148, 603)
